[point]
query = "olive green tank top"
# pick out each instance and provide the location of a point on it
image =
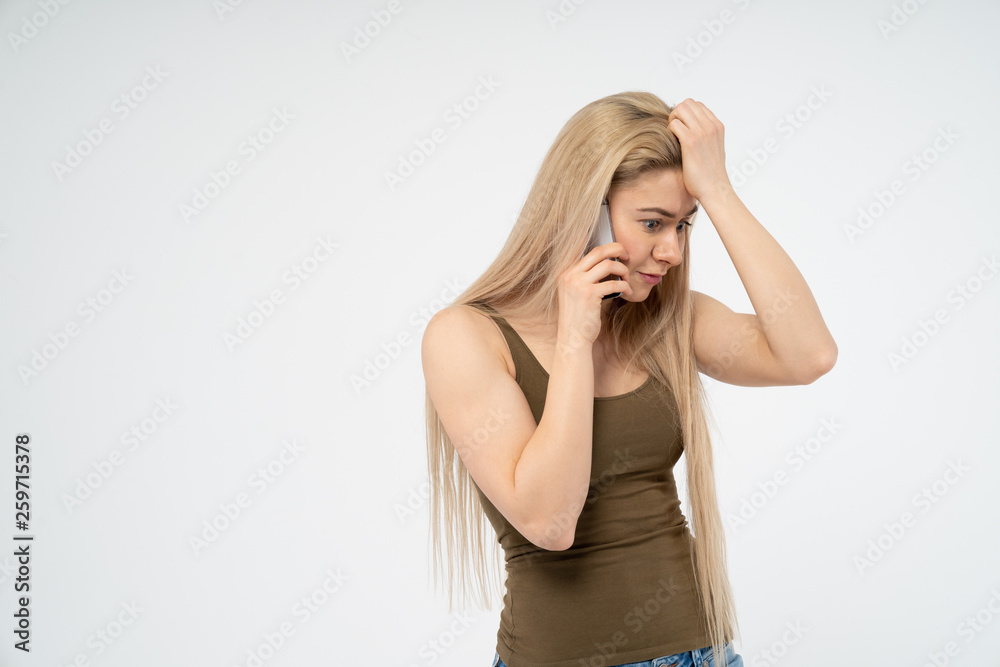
(625, 591)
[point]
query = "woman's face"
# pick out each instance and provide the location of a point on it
(650, 218)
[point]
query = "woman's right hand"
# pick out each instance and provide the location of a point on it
(581, 291)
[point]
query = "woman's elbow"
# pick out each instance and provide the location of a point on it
(822, 364)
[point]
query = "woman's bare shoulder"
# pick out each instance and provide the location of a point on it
(462, 318)
(461, 326)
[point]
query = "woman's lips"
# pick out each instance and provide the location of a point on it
(650, 278)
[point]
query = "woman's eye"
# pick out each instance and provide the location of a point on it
(680, 225)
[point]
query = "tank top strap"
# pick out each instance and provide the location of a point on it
(526, 365)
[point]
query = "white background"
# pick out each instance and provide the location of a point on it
(335, 505)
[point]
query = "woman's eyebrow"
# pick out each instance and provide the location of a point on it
(664, 213)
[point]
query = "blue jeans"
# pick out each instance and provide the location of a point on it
(700, 657)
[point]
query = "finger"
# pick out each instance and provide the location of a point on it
(685, 109)
(604, 269)
(679, 129)
(618, 268)
(678, 112)
(700, 113)
(681, 120)
(622, 286)
(613, 249)
(602, 252)
(614, 286)
(710, 122)
(697, 115)
(597, 270)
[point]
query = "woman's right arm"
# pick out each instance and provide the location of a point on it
(536, 476)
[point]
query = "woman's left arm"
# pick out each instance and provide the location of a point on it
(786, 341)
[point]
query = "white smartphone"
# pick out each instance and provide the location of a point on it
(604, 233)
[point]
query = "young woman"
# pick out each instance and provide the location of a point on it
(568, 410)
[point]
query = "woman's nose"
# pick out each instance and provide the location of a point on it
(668, 249)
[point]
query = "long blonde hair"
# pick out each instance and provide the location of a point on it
(609, 143)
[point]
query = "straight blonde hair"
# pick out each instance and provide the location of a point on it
(608, 144)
